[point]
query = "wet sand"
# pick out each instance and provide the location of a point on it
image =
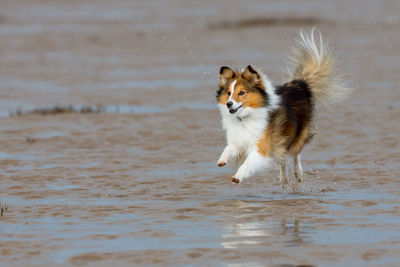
(136, 182)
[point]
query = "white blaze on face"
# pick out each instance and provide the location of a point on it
(232, 86)
(235, 107)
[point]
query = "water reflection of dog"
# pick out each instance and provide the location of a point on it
(255, 233)
(292, 230)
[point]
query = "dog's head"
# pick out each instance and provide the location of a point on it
(239, 91)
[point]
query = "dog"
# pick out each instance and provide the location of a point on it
(264, 123)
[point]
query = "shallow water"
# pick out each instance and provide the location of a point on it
(135, 181)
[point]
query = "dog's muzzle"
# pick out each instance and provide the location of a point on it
(233, 110)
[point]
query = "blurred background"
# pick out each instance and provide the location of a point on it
(98, 52)
(109, 134)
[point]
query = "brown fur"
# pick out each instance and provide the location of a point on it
(275, 141)
(252, 99)
(299, 142)
(249, 82)
(264, 144)
(289, 127)
(223, 99)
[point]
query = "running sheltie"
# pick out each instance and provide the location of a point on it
(265, 123)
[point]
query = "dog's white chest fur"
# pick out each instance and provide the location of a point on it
(244, 133)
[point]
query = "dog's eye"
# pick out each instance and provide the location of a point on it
(229, 93)
(241, 93)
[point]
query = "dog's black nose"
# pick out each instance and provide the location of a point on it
(229, 104)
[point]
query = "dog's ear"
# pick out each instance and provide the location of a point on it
(225, 74)
(251, 75)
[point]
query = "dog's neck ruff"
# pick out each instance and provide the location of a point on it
(244, 132)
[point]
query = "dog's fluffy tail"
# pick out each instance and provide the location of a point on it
(314, 62)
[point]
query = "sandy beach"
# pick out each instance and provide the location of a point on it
(110, 133)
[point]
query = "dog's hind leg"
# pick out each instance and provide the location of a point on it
(283, 174)
(298, 169)
(304, 137)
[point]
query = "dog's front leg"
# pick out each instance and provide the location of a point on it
(229, 153)
(253, 164)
